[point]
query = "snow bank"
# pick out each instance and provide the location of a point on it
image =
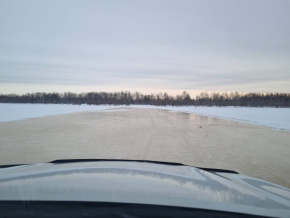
(12, 112)
(277, 118)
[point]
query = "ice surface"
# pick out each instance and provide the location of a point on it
(150, 134)
(277, 118)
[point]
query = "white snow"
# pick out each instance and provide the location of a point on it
(12, 112)
(277, 118)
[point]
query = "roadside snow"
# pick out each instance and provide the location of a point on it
(277, 118)
(12, 112)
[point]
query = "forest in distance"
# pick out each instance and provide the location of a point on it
(161, 99)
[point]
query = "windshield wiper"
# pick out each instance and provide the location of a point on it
(212, 170)
(11, 165)
(63, 161)
(116, 160)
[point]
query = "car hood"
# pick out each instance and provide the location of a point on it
(144, 183)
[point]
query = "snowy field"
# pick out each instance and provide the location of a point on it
(277, 118)
(13, 112)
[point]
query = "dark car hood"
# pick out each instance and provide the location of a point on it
(144, 183)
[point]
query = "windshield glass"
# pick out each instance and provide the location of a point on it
(203, 83)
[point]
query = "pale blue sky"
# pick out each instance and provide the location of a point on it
(148, 46)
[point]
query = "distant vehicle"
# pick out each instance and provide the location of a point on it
(130, 188)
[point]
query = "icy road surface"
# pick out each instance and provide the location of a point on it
(150, 134)
(276, 118)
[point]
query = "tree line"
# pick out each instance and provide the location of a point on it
(161, 99)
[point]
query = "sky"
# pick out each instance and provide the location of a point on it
(148, 46)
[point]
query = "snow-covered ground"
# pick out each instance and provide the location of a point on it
(277, 118)
(12, 112)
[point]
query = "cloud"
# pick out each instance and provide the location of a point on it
(164, 44)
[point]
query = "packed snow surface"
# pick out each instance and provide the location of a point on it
(277, 118)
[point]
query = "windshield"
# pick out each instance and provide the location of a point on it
(197, 82)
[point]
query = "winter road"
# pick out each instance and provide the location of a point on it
(150, 134)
